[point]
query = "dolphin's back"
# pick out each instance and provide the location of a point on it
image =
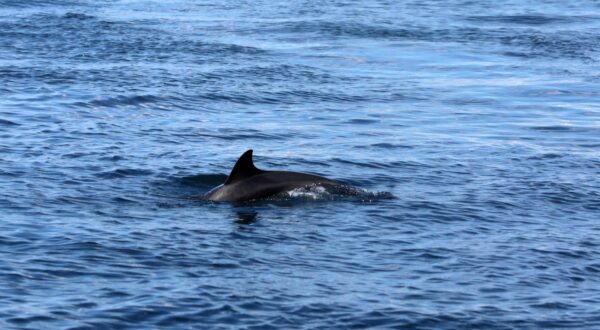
(246, 182)
(266, 184)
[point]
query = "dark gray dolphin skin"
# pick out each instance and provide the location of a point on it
(246, 182)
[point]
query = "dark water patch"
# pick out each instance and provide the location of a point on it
(31, 319)
(6, 241)
(220, 48)
(85, 305)
(362, 121)
(371, 180)
(78, 16)
(576, 45)
(5, 122)
(557, 129)
(37, 3)
(472, 101)
(572, 44)
(284, 97)
(125, 200)
(553, 305)
(113, 158)
(85, 38)
(352, 29)
(4, 149)
(385, 145)
(203, 180)
(123, 173)
(246, 217)
(123, 100)
(234, 97)
(187, 191)
(380, 165)
(244, 135)
(534, 20)
(111, 293)
(73, 155)
(524, 55)
(562, 93)
(304, 96)
(570, 254)
(75, 200)
(61, 75)
(546, 156)
(283, 73)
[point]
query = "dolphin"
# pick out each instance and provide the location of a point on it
(246, 182)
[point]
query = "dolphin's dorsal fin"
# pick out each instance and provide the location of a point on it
(244, 168)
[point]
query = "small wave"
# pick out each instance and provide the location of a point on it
(552, 305)
(382, 165)
(575, 44)
(74, 155)
(79, 16)
(5, 122)
(362, 121)
(283, 97)
(249, 134)
(552, 128)
(304, 96)
(391, 146)
(36, 3)
(124, 200)
(353, 29)
(546, 156)
(164, 44)
(520, 19)
(283, 72)
(86, 38)
(123, 172)
(31, 319)
(124, 100)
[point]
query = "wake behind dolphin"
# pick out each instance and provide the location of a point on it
(246, 182)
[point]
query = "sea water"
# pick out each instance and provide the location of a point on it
(473, 127)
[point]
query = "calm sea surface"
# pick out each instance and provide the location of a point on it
(472, 126)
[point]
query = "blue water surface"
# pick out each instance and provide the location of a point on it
(472, 126)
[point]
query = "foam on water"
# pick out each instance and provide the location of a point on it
(317, 192)
(313, 192)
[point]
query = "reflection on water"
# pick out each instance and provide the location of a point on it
(246, 217)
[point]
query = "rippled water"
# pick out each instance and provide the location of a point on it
(482, 119)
